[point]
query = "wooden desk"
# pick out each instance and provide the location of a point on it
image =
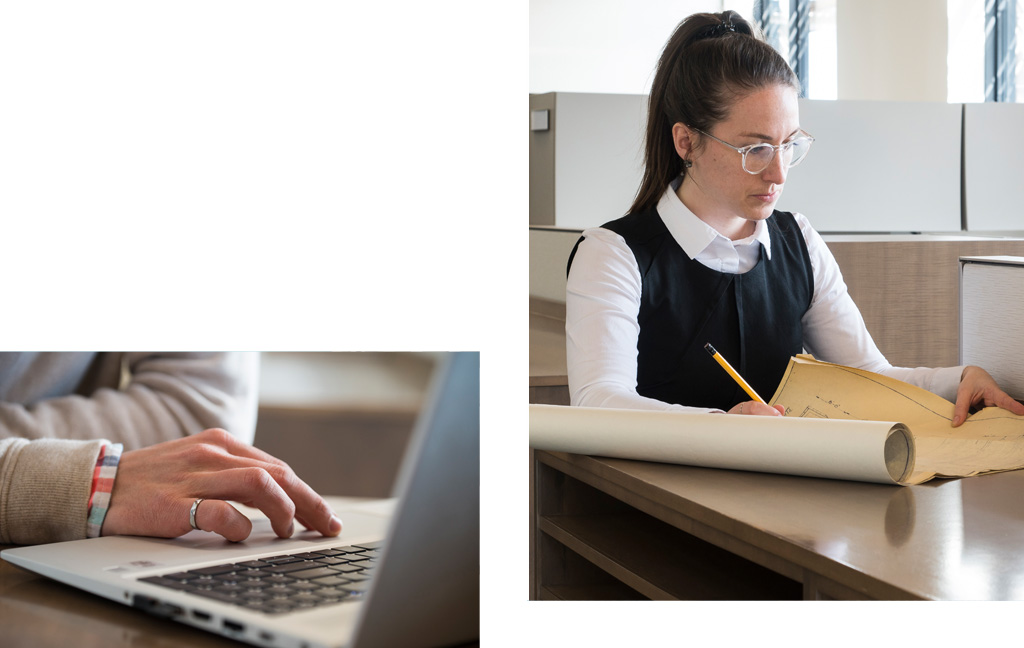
(619, 529)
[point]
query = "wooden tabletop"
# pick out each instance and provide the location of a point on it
(945, 539)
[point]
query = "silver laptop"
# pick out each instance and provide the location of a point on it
(401, 575)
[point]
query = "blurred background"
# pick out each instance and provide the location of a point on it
(342, 420)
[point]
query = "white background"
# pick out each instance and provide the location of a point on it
(309, 176)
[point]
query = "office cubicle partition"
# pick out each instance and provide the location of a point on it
(875, 166)
(993, 145)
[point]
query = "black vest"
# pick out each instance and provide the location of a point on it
(752, 319)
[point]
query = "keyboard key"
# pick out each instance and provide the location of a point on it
(287, 567)
(364, 564)
(316, 572)
(330, 560)
(371, 545)
(281, 559)
(332, 580)
(213, 571)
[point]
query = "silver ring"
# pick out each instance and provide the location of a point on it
(192, 514)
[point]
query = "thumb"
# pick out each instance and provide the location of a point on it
(963, 405)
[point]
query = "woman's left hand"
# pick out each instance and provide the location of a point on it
(977, 386)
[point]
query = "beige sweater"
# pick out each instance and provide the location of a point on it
(56, 409)
(44, 489)
(137, 399)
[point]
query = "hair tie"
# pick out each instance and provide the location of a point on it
(717, 30)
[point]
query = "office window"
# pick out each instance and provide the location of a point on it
(985, 52)
(1000, 50)
(804, 31)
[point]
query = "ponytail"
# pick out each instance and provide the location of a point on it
(709, 62)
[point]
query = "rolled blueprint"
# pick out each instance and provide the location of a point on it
(868, 451)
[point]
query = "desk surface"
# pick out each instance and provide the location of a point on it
(945, 539)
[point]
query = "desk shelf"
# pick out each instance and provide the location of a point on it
(593, 546)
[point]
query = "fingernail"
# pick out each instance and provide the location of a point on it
(334, 526)
(291, 528)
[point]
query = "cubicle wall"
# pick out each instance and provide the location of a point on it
(586, 156)
(875, 167)
(878, 167)
(992, 318)
(993, 146)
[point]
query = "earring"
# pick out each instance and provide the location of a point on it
(687, 164)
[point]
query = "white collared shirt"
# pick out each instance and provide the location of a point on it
(603, 303)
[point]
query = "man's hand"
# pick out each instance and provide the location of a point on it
(156, 486)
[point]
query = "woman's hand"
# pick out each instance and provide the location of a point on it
(977, 386)
(753, 408)
(155, 487)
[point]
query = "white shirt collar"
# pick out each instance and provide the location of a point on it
(694, 235)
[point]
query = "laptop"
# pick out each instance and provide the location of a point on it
(403, 572)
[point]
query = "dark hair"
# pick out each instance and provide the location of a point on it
(710, 61)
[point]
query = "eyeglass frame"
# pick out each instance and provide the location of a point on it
(743, 150)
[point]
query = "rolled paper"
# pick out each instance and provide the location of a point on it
(870, 451)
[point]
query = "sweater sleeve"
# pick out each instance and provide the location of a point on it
(44, 489)
(166, 396)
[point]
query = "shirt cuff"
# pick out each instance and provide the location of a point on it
(102, 483)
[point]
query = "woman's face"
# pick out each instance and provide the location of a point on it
(717, 188)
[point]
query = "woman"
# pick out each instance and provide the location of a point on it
(703, 257)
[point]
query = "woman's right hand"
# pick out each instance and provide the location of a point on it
(753, 408)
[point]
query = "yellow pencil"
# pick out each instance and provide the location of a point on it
(732, 372)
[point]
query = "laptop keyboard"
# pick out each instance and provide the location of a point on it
(279, 584)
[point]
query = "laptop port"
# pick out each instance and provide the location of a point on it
(233, 626)
(153, 606)
(202, 616)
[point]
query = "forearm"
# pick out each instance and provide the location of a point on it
(168, 396)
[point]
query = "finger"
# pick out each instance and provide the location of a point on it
(963, 405)
(753, 408)
(253, 486)
(1007, 402)
(781, 408)
(311, 509)
(223, 519)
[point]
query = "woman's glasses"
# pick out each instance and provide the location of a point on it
(757, 157)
